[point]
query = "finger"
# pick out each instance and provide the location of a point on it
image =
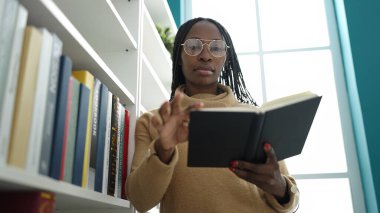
(157, 122)
(164, 111)
(270, 153)
(176, 104)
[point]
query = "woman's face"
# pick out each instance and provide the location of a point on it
(202, 70)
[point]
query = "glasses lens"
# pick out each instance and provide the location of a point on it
(193, 46)
(218, 48)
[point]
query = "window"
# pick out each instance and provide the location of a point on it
(290, 46)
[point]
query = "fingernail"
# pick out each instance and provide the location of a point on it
(267, 146)
(234, 164)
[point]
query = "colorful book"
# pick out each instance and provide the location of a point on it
(40, 98)
(24, 102)
(60, 131)
(73, 102)
(113, 146)
(47, 140)
(101, 138)
(107, 145)
(94, 134)
(7, 102)
(86, 78)
(31, 201)
(120, 151)
(125, 153)
(80, 140)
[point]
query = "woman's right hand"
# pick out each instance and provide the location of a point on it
(172, 126)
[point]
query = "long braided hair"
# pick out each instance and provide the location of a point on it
(231, 74)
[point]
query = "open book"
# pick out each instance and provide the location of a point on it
(219, 135)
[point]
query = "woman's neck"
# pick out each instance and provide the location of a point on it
(190, 91)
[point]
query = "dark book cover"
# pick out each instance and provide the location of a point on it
(219, 136)
(101, 138)
(80, 141)
(113, 146)
(31, 201)
(60, 132)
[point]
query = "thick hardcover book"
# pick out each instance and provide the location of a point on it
(107, 145)
(60, 132)
(26, 87)
(73, 101)
(80, 141)
(27, 201)
(94, 133)
(50, 106)
(218, 136)
(125, 153)
(113, 146)
(37, 127)
(86, 78)
(101, 138)
(7, 99)
(120, 147)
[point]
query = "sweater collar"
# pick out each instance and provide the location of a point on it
(224, 99)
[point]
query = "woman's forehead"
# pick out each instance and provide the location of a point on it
(204, 30)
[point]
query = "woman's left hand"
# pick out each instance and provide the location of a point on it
(266, 176)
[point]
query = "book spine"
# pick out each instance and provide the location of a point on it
(26, 88)
(80, 141)
(101, 138)
(113, 146)
(94, 134)
(107, 145)
(50, 107)
(125, 153)
(72, 131)
(6, 109)
(120, 152)
(40, 98)
(60, 132)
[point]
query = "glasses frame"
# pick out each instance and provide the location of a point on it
(208, 45)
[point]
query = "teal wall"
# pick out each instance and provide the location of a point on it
(175, 7)
(359, 27)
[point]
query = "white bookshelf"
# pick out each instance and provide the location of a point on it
(117, 41)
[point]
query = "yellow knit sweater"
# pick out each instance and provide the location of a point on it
(181, 189)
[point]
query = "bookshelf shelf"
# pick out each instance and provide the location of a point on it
(117, 42)
(68, 196)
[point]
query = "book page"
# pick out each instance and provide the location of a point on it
(287, 100)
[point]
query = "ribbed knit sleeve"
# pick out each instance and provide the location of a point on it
(149, 177)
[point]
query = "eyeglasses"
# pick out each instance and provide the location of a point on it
(194, 47)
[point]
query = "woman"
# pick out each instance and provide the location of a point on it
(203, 55)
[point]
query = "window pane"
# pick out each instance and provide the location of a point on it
(250, 67)
(325, 195)
(292, 24)
(234, 16)
(288, 73)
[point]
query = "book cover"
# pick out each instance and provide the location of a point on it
(40, 98)
(7, 102)
(94, 133)
(73, 102)
(24, 102)
(107, 145)
(86, 78)
(125, 154)
(101, 138)
(32, 201)
(51, 103)
(219, 135)
(113, 146)
(80, 140)
(56, 170)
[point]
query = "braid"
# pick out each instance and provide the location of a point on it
(231, 74)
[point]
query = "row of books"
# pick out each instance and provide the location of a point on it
(54, 121)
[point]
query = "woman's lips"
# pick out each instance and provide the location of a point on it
(204, 70)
